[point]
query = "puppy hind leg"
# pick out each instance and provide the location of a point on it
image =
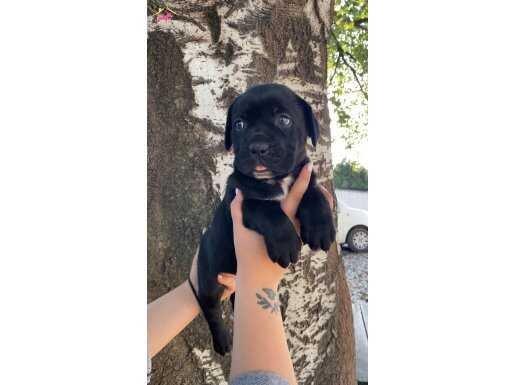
(211, 307)
(232, 298)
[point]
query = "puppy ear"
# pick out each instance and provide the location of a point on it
(311, 121)
(228, 128)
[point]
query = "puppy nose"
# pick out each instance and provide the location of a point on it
(259, 148)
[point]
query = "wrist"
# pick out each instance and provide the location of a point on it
(258, 297)
(246, 280)
(265, 272)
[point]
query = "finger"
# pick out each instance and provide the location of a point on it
(195, 257)
(292, 200)
(193, 270)
(328, 196)
(227, 280)
(236, 207)
(227, 276)
(296, 224)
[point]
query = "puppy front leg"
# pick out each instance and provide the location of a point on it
(316, 219)
(268, 219)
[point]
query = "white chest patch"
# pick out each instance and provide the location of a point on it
(286, 184)
(285, 187)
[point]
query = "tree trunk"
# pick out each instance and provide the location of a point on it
(198, 61)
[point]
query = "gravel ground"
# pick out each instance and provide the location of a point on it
(356, 269)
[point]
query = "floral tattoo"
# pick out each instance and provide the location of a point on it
(268, 302)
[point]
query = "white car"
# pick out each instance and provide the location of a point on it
(352, 227)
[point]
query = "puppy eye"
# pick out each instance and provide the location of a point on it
(239, 125)
(284, 121)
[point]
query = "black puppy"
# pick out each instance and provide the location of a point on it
(268, 126)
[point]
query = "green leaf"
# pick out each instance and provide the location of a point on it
(350, 175)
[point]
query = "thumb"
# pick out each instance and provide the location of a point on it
(292, 200)
(236, 205)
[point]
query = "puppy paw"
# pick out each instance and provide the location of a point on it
(283, 248)
(222, 341)
(318, 231)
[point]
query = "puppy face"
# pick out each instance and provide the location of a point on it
(268, 126)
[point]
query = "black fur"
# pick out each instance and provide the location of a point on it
(263, 139)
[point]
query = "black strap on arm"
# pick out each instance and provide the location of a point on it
(193, 290)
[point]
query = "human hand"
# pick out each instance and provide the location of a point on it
(225, 279)
(250, 247)
(251, 253)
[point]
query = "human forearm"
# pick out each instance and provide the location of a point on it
(168, 315)
(259, 341)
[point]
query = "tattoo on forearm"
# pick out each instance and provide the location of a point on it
(270, 301)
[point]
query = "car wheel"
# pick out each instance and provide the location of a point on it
(358, 239)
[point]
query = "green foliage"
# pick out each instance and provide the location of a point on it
(348, 68)
(350, 175)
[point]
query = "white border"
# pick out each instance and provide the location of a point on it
(73, 195)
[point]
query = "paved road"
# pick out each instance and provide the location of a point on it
(356, 268)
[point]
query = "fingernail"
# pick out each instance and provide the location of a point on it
(238, 192)
(310, 166)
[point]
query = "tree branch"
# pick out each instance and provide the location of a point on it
(335, 67)
(342, 53)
